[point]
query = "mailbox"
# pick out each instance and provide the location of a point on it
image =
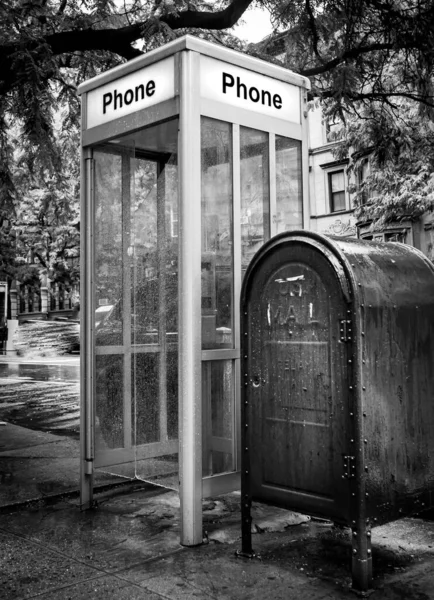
(338, 381)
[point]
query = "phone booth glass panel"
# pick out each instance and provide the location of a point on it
(136, 285)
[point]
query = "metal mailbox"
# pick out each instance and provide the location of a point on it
(338, 383)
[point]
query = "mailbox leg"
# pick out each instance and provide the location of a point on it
(246, 526)
(361, 559)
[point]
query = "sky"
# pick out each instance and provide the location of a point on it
(257, 25)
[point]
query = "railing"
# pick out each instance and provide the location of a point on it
(43, 302)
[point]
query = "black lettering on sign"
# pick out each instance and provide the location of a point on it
(250, 93)
(277, 101)
(265, 94)
(228, 81)
(129, 96)
(254, 94)
(117, 99)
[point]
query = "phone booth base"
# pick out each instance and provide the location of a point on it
(337, 411)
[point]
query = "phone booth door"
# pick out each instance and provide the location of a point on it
(136, 307)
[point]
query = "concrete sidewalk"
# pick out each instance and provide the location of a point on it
(128, 548)
(36, 465)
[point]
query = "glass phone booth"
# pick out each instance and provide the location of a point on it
(193, 156)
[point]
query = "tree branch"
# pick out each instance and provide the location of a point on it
(351, 53)
(39, 257)
(62, 7)
(222, 19)
(120, 40)
(384, 96)
(312, 24)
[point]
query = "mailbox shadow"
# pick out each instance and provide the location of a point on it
(323, 550)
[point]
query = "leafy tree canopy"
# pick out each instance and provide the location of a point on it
(399, 142)
(351, 49)
(47, 47)
(362, 49)
(361, 56)
(43, 228)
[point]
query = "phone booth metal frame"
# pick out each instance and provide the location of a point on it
(189, 91)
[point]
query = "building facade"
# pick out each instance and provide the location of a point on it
(332, 204)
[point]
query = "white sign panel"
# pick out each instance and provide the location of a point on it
(135, 91)
(245, 89)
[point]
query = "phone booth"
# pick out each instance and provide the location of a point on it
(338, 381)
(192, 157)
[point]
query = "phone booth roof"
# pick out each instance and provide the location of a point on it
(149, 88)
(204, 47)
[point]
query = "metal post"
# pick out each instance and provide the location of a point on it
(162, 299)
(87, 415)
(305, 160)
(361, 532)
(246, 498)
(361, 568)
(129, 410)
(273, 183)
(190, 413)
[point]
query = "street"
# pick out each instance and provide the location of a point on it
(41, 396)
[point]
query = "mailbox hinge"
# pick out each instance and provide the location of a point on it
(349, 467)
(345, 330)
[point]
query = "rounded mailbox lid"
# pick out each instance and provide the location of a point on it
(379, 273)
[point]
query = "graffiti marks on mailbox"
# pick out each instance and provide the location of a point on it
(299, 385)
(296, 305)
(297, 402)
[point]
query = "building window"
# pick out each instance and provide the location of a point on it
(396, 236)
(429, 240)
(333, 129)
(363, 174)
(337, 190)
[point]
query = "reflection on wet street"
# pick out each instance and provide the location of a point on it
(42, 397)
(40, 371)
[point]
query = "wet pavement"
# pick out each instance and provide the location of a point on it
(67, 370)
(127, 547)
(41, 395)
(39, 429)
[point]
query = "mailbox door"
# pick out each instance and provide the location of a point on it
(296, 362)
